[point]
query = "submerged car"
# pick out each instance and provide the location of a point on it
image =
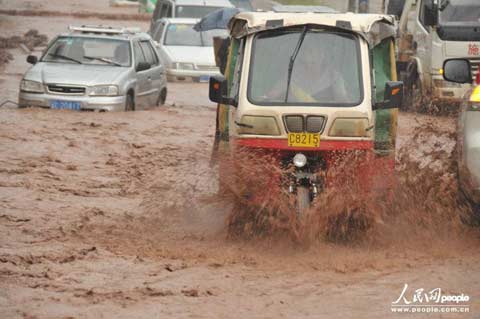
(96, 68)
(305, 88)
(185, 52)
(468, 131)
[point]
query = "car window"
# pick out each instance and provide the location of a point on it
(197, 12)
(89, 50)
(164, 10)
(169, 10)
(180, 34)
(139, 56)
(149, 53)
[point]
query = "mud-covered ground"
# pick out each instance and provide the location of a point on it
(116, 215)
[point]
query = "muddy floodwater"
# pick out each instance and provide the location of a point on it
(117, 215)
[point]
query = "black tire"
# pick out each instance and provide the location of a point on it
(395, 7)
(162, 97)
(303, 200)
(130, 103)
(413, 93)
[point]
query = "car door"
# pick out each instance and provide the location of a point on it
(143, 86)
(154, 74)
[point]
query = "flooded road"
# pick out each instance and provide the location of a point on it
(116, 215)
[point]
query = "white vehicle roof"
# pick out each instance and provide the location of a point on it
(374, 27)
(208, 3)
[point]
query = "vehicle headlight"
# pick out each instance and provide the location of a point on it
(31, 86)
(299, 160)
(350, 127)
(258, 125)
(183, 66)
(104, 90)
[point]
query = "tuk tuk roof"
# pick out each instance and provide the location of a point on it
(373, 27)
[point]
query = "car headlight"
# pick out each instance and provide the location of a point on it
(183, 66)
(31, 86)
(258, 125)
(104, 90)
(299, 160)
(350, 127)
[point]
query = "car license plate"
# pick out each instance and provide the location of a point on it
(303, 140)
(65, 105)
(204, 78)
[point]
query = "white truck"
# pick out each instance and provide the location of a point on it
(431, 32)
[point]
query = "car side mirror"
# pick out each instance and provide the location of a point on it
(32, 59)
(457, 70)
(142, 66)
(218, 91)
(431, 13)
(393, 96)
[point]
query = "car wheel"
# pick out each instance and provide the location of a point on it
(130, 103)
(162, 97)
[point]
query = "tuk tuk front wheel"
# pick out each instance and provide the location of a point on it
(303, 200)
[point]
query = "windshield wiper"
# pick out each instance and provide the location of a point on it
(293, 57)
(444, 4)
(102, 59)
(61, 56)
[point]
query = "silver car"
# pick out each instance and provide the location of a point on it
(185, 52)
(468, 135)
(96, 69)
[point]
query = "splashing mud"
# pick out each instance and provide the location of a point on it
(416, 202)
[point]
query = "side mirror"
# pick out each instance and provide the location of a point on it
(431, 13)
(142, 66)
(218, 91)
(32, 59)
(393, 96)
(457, 70)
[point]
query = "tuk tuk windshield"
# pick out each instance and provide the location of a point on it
(326, 68)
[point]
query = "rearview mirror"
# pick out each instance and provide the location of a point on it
(218, 91)
(431, 13)
(457, 70)
(142, 66)
(220, 47)
(32, 59)
(393, 96)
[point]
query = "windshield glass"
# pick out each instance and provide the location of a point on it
(184, 34)
(196, 12)
(326, 70)
(460, 12)
(89, 51)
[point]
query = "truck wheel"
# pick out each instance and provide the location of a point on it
(395, 7)
(303, 200)
(413, 94)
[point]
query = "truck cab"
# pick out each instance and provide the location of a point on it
(431, 32)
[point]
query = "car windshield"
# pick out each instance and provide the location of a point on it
(184, 35)
(460, 12)
(196, 12)
(84, 50)
(326, 69)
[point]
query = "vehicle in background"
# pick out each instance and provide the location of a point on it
(245, 5)
(468, 132)
(185, 52)
(195, 9)
(305, 90)
(431, 32)
(96, 68)
(124, 3)
(146, 6)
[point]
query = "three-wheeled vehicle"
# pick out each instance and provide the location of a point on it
(307, 87)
